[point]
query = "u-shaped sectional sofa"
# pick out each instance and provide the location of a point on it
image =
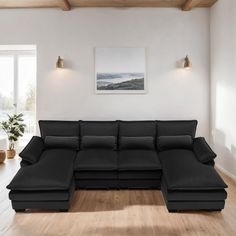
(73, 155)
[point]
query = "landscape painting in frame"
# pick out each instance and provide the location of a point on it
(120, 70)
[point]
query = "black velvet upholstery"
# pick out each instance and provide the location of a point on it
(62, 142)
(182, 171)
(96, 183)
(137, 143)
(141, 175)
(217, 195)
(118, 184)
(58, 128)
(98, 128)
(181, 200)
(143, 133)
(46, 199)
(178, 206)
(58, 195)
(171, 128)
(210, 163)
(174, 142)
(138, 160)
(31, 153)
(200, 195)
(43, 175)
(106, 142)
(63, 206)
(139, 183)
(203, 151)
(48, 195)
(24, 163)
(137, 128)
(96, 159)
(96, 174)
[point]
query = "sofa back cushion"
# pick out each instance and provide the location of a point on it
(137, 134)
(172, 128)
(137, 128)
(174, 142)
(90, 131)
(59, 128)
(98, 128)
(105, 142)
(146, 142)
(62, 142)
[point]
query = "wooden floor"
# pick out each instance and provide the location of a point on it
(114, 213)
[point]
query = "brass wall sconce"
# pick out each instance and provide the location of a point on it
(60, 63)
(187, 63)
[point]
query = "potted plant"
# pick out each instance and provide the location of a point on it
(14, 129)
(2, 156)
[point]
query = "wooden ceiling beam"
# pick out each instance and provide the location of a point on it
(65, 5)
(28, 4)
(207, 3)
(127, 3)
(190, 4)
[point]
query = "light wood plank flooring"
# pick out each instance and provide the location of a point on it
(114, 213)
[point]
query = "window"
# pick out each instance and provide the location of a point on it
(18, 85)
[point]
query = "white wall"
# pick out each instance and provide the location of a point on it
(168, 35)
(223, 85)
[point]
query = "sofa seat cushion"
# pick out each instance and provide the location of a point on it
(55, 195)
(96, 159)
(138, 160)
(54, 171)
(193, 195)
(182, 171)
(200, 195)
(139, 174)
(96, 174)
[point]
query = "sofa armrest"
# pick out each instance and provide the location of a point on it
(210, 163)
(24, 163)
(203, 151)
(33, 150)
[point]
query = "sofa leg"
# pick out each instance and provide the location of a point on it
(63, 210)
(215, 210)
(19, 210)
(172, 211)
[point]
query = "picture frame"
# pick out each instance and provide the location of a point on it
(120, 70)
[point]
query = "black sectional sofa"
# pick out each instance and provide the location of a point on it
(73, 155)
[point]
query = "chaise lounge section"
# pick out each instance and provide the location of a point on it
(189, 182)
(73, 155)
(46, 180)
(43, 185)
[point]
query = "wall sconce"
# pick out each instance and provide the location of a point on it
(187, 63)
(60, 63)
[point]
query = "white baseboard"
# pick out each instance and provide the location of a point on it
(226, 172)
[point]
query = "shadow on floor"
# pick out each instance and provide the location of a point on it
(102, 200)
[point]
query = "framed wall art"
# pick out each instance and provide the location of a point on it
(120, 70)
